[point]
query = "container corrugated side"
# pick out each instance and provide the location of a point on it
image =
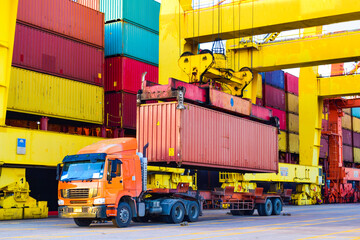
(49, 53)
(125, 39)
(283, 141)
(291, 84)
(205, 138)
(346, 121)
(324, 149)
(124, 74)
(355, 112)
(93, 4)
(293, 143)
(276, 79)
(293, 122)
(46, 95)
(120, 110)
(292, 103)
(144, 13)
(282, 117)
(274, 97)
(357, 155)
(355, 124)
(356, 137)
(65, 18)
(348, 155)
(347, 137)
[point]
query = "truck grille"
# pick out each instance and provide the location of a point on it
(78, 193)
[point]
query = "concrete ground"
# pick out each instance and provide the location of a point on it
(341, 221)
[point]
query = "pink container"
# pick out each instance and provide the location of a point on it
(94, 4)
(124, 74)
(281, 115)
(356, 137)
(260, 112)
(291, 84)
(348, 154)
(324, 150)
(49, 53)
(64, 17)
(203, 138)
(324, 125)
(347, 137)
(274, 97)
(120, 110)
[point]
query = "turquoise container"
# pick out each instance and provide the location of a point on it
(126, 39)
(144, 13)
(355, 112)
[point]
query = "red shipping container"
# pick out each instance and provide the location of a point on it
(124, 74)
(205, 138)
(356, 137)
(347, 137)
(281, 115)
(120, 110)
(324, 149)
(291, 84)
(348, 155)
(49, 53)
(94, 4)
(274, 97)
(261, 112)
(64, 17)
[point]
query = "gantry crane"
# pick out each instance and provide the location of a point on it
(183, 28)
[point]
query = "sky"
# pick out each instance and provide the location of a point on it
(324, 70)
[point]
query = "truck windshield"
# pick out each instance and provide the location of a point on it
(84, 170)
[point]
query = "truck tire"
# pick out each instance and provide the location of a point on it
(265, 209)
(177, 213)
(82, 222)
(193, 213)
(277, 206)
(123, 215)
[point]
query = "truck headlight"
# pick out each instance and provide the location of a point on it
(64, 193)
(93, 192)
(60, 202)
(99, 201)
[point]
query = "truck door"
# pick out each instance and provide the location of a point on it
(114, 183)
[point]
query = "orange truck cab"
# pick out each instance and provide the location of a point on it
(107, 181)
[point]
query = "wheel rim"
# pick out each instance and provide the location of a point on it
(124, 215)
(178, 213)
(193, 211)
(277, 206)
(268, 206)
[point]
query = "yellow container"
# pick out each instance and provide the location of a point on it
(282, 141)
(346, 121)
(347, 111)
(357, 155)
(46, 95)
(293, 122)
(292, 103)
(356, 124)
(293, 143)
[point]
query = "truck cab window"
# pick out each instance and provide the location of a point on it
(118, 168)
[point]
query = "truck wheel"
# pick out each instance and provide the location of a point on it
(177, 213)
(249, 212)
(277, 206)
(193, 213)
(123, 215)
(82, 222)
(265, 209)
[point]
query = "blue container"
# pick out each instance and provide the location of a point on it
(144, 13)
(125, 39)
(276, 79)
(262, 77)
(355, 112)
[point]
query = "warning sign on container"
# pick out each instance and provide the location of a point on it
(21, 146)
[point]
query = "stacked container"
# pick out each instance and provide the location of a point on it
(356, 133)
(58, 61)
(131, 48)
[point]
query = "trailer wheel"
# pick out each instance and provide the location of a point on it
(123, 215)
(82, 222)
(177, 213)
(193, 213)
(277, 206)
(265, 209)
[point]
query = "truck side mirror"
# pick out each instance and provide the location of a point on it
(58, 170)
(114, 164)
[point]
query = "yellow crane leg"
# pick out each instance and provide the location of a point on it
(8, 13)
(15, 200)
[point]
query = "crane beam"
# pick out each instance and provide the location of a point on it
(339, 86)
(301, 52)
(248, 18)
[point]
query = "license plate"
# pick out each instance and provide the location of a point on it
(77, 210)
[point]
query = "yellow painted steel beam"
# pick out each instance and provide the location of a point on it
(42, 148)
(348, 85)
(246, 18)
(310, 117)
(8, 13)
(287, 173)
(303, 52)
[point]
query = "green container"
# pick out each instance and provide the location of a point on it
(144, 13)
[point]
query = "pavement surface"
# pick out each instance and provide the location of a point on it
(338, 221)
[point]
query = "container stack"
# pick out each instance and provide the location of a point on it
(355, 112)
(131, 48)
(58, 66)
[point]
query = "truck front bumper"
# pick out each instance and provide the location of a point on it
(82, 211)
